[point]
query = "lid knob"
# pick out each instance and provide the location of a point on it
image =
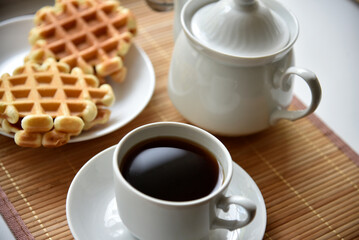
(244, 2)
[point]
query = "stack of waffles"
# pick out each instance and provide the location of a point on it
(61, 90)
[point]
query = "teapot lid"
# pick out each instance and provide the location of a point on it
(240, 27)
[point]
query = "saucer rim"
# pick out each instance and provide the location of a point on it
(93, 160)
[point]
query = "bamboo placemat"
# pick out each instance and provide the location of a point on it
(308, 177)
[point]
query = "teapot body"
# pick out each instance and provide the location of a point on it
(223, 97)
(178, 5)
(221, 80)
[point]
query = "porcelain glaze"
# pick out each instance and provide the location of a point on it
(149, 218)
(178, 5)
(92, 212)
(237, 28)
(232, 94)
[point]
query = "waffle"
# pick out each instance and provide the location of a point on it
(93, 35)
(46, 104)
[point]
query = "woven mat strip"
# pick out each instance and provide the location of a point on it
(329, 133)
(13, 219)
(307, 176)
(309, 184)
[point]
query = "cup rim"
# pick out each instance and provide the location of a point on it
(225, 184)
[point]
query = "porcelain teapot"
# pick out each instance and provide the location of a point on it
(232, 66)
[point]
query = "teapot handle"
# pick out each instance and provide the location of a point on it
(311, 79)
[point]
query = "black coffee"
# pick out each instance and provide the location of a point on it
(171, 169)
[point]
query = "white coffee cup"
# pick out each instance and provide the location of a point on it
(148, 218)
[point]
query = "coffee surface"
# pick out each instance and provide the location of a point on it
(171, 169)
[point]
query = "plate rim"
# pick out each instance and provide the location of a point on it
(16, 19)
(150, 90)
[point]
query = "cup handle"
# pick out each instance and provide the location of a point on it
(249, 207)
(311, 79)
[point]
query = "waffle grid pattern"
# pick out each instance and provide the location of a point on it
(93, 35)
(48, 97)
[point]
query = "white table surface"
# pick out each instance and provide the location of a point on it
(328, 45)
(5, 232)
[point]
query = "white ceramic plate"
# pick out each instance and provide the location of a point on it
(132, 95)
(92, 212)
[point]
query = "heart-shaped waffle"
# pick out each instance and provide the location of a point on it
(93, 35)
(46, 104)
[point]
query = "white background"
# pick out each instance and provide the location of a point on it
(328, 44)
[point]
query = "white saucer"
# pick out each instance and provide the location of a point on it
(132, 95)
(92, 212)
